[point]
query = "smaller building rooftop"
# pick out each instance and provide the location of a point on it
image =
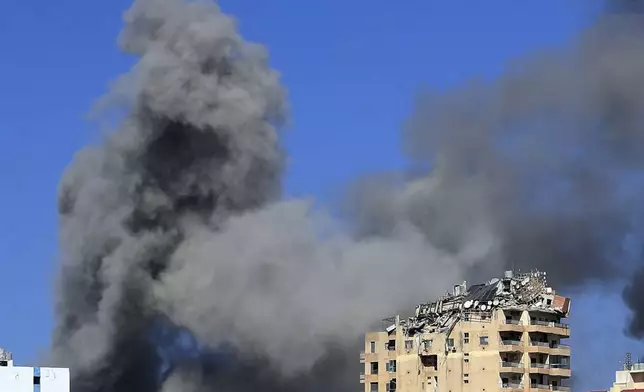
(5, 355)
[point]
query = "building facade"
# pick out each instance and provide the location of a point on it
(31, 379)
(630, 378)
(504, 335)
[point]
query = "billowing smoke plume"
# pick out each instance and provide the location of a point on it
(175, 221)
(547, 160)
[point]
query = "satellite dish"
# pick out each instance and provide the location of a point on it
(489, 303)
(467, 304)
(483, 307)
(495, 302)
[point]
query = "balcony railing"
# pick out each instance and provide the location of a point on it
(508, 364)
(509, 342)
(362, 355)
(548, 324)
(550, 387)
(540, 365)
(510, 385)
(512, 321)
(540, 344)
(560, 345)
(560, 366)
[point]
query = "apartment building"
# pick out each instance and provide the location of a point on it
(507, 334)
(31, 379)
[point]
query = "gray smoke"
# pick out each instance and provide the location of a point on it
(174, 222)
(547, 160)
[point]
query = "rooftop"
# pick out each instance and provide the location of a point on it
(5, 355)
(514, 291)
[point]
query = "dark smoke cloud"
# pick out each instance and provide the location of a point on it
(175, 221)
(546, 160)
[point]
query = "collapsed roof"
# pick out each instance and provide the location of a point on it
(521, 291)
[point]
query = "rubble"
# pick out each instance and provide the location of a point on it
(521, 291)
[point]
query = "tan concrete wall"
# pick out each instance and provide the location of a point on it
(472, 366)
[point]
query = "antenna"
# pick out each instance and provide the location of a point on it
(628, 362)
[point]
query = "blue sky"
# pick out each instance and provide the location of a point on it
(352, 68)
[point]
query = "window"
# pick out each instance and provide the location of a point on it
(391, 366)
(391, 385)
(450, 342)
(466, 375)
(466, 338)
(4, 363)
(483, 340)
(36, 380)
(427, 344)
(373, 347)
(466, 360)
(373, 387)
(391, 346)
(466, 381)
(409, 344)
(374, 367)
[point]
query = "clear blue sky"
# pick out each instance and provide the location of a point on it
(352, 68)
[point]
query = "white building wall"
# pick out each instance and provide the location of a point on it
(54, 380)
(16, 379)
(21, 379)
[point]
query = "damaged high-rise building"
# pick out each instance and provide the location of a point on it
(504, 335)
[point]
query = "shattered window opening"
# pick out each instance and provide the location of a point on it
(483, 340)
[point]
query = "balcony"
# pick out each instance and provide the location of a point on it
(555, 369)
(550, 327)
(544, 387)
(510, 345)
(511, 325)
(539, 347)
(560, 349)
(559, 369)
(362, 377)
(363, 356)
(511, 367)
(511, 387)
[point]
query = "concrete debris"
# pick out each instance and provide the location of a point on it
(521, 291)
